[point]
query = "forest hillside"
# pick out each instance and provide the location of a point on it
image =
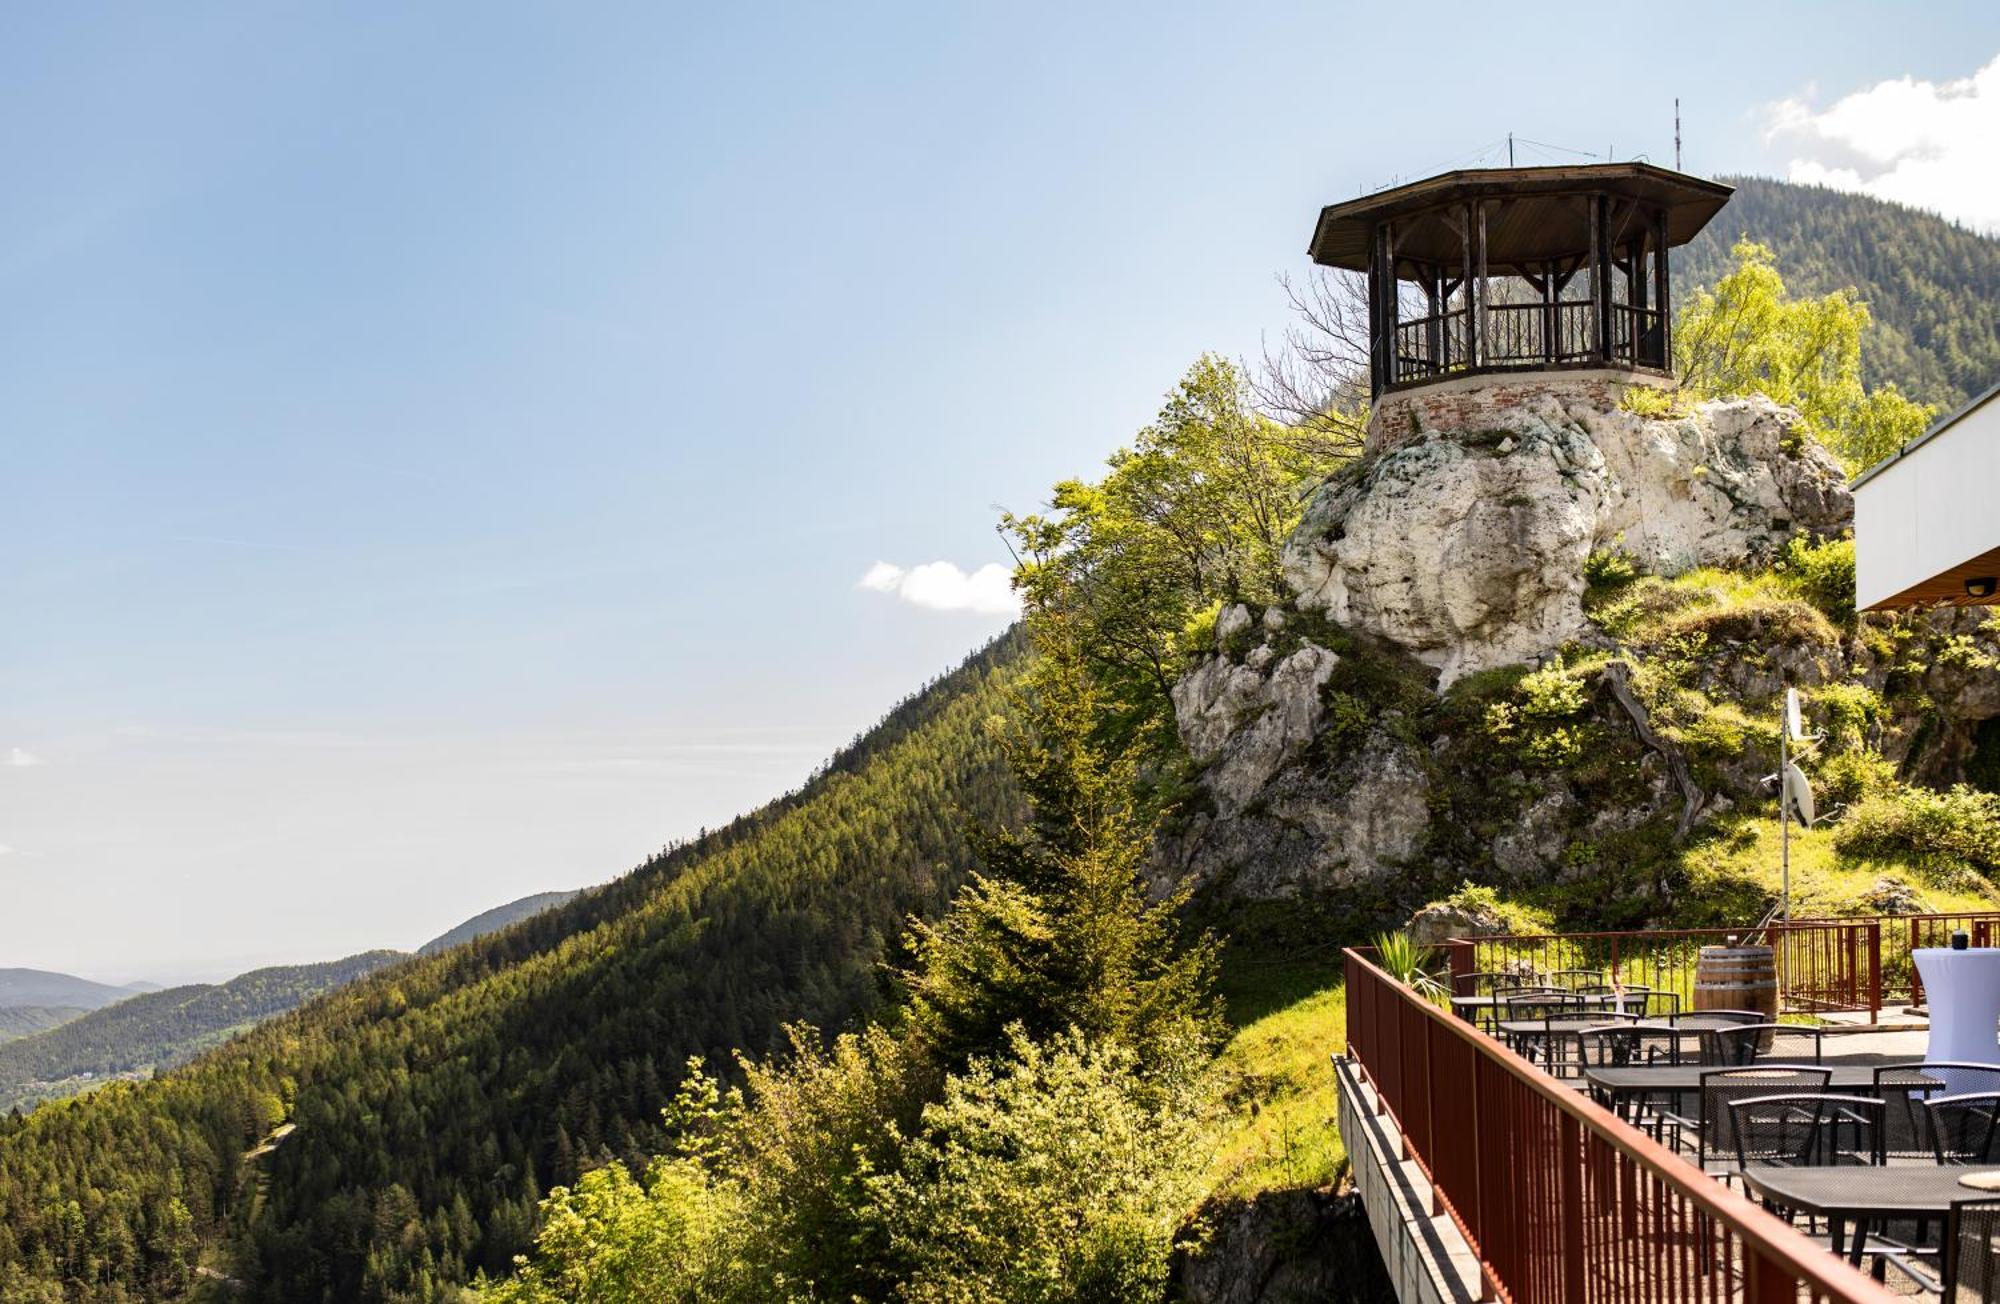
(434, 1104)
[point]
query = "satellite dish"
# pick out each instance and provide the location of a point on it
(1795, 727)
(1799, 794)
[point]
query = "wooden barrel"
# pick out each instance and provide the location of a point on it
(1737, 978)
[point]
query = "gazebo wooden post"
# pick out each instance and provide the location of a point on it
(1434, 332)
(1470, 287)
(1660, 291)
(1635, 276)
(1551, 339)
(1600, 276)
(1480, 351)
(1392, 304)
(1378, 368)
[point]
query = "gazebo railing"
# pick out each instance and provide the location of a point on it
(1525, 335)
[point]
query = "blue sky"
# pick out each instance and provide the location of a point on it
(440, 445)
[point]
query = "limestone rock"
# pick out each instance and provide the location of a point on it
(1286, 1247)
(1438, 923)
(1529, 850)
(1893, 896)
(1308, 829)
(1247, 721)
(1467, 546)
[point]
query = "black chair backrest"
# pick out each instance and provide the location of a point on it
(1721, 1086)
(1725, 1018)
(1749, 1043)
(1487, 982)
(1906, 1086)
(1808, 1130)
(1971, 1266)
(1575, 978)
(1542, 1005)
(1962, 1127)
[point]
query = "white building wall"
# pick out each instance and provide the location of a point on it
(1934, 506)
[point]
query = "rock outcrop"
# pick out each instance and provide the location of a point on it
(1286, 1247)
(1466, 547)
(1452, 551)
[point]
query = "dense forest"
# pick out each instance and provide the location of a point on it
(159, 1029)
(22, 1020)
(437, 1101)
(490, 921)
(1930, 284)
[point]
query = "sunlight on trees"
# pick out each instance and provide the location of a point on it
(1749, 336)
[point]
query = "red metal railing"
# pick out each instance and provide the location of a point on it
(1906, 933)
(1562, 1201)
(1824, 965)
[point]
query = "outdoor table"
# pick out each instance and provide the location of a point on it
(1616, 1086)
(1688, 1023)
(1560, 1024)
(1847, 1194)
(1963, 991)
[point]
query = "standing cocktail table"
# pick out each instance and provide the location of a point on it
(1962, 989)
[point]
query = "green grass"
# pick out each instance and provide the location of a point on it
(1742, 865)
(1290, 1018)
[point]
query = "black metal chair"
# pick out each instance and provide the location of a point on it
(1574, 979)
(1489, 982)
(1969, 1264)
(1562, 1049)
(1635, 1001)
(1635, 1046)
(1908, 1085)
(1964, 1128)
(1714, 1143)
(1809, 1130)
(1728, 1017)
(1751, 1043)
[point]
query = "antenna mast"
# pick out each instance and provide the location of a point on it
(1677, 133)
(1510, 149)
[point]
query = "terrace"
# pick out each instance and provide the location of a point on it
(1556, 1121)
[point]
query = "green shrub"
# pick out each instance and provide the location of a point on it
(1606, 573)
(1647, 401)
(1925, 828)
(1822, 573)
(1762, 620)
(1058, 1173)
(1844, 778)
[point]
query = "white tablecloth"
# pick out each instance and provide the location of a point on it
(1962, 989)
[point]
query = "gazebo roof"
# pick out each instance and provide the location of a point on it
(1540, 215)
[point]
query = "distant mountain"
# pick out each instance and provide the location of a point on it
(495, 919)
(21, 1020)
(40, 987)
(1930, 284)
(143, 986)
(155, 1030)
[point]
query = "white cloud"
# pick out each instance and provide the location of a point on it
(1928, 144)
(5, 850)
(941, 586)
(20, 759)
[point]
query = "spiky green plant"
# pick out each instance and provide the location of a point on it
(1408, 963)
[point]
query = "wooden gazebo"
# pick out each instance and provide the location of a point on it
(1506, 269)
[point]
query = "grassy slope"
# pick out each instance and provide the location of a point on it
(1289, 1017)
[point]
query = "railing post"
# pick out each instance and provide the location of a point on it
(1874, 970)
(1463, 955)
(1569, 1181)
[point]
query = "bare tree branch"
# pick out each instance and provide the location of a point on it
(1315, 378)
